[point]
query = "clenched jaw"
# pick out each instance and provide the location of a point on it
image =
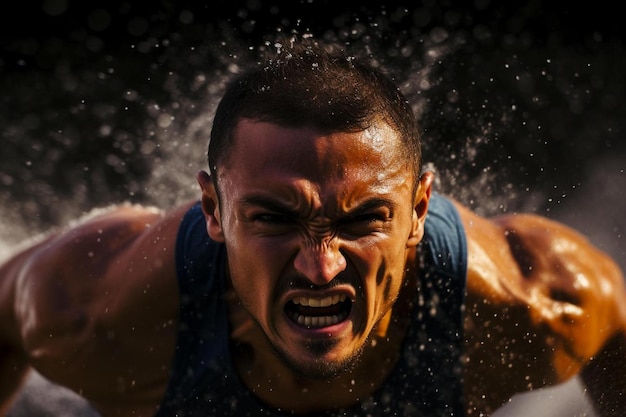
(318, 312)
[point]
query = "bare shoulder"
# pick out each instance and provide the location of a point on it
(100, 298)
(541, 302)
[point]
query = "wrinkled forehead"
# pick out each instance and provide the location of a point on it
(272, 156)
(302, 167)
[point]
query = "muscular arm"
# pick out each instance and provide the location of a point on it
(541, 303)
(94, 308)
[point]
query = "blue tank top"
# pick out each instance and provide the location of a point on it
(426, 381)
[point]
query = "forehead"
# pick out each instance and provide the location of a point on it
(309, 168)
(263, 145)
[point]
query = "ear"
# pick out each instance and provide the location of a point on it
(420, 208)
(210, 207)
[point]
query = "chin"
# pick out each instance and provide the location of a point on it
(316, 365)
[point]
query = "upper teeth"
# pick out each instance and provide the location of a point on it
(319, 302)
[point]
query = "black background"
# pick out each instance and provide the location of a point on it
(522, 104)
(521, 98)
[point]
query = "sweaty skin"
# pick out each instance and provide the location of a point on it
(101, 298)
(340, 222)
(96, 300)
(541, 301)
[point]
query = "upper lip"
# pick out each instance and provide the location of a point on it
(319, 302)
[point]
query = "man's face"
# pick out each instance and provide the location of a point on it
(317, 230)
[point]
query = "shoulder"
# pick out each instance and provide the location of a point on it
(100, 286)
(527, 252)
(107, 233)
(109, 251)
(538, 292)
(530, 249)
(97, 248)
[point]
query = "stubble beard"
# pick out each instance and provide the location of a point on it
(320, 370)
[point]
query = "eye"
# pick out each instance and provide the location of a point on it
(362, 224)
(366, 218)
(268, 223)
(271, 218)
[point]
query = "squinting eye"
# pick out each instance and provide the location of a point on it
(270, 218)
(362, 225)
(370, 218)
(273, 224)
(365, 218)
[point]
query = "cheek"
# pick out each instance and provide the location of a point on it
(252, 288)
(255, 269)
(391, 274)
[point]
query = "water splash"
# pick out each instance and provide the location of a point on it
(116, 103)
(129, 119)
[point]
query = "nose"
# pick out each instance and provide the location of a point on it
(320, 262)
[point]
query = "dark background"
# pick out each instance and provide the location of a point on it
(522, 106)
(518, 99)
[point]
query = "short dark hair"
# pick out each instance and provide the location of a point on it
(307, 83)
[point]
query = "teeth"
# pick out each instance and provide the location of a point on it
(319, 302)
(318, 321)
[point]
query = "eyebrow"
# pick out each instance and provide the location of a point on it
(276, 205)
(267, 202)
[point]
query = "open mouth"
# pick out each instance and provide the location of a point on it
(318, 312)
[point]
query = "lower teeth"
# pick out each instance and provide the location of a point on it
(318, 321)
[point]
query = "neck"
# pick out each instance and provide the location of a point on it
(276, 385)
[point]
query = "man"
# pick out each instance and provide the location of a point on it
(318, 274)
